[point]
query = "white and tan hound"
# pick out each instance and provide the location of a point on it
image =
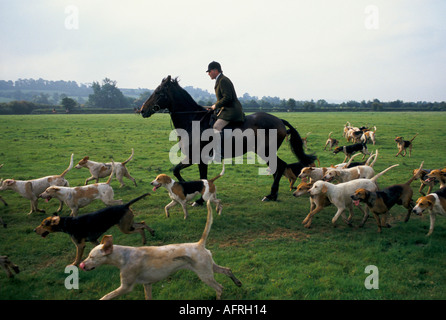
(31, 189)
(434, 203)
(79, 197)
(148, 265)
(102, 170)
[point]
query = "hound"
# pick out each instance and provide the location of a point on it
(313, 173)
(31, 189)
(347, 127)
(351, 164)
(102, 170)
(425, 181)
(358, 172)
(339, 195)
(148, 265)
(304, 140)
(1, 199)
(181, 192)
(369, 135)
(439, 175)
(434, 203)
(90, 226)
(352, 149)
(331, 142)
(403, 145)
(8, 266)
(79, 197)
(317, 202)
(4, 202)
(292, 172)
(380, 202)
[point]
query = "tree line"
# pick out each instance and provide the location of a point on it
(43, 96)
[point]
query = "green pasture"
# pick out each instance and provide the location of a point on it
(265, 244)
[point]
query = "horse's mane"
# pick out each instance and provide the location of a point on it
(182, 98)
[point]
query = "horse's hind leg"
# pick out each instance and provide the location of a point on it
(178, 168)
(281, 166)
(203, 168)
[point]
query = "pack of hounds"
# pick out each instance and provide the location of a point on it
(345, 185)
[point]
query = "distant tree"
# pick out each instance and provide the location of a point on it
(309, 105)
(321, 103)
(107, 95)
(396, 104)
(68, 104)
(43, 98)
(377, 105)
(291, 104)
(137, 103)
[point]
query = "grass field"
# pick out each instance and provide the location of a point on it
(265, 244)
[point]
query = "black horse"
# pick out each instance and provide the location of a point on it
(184, 110)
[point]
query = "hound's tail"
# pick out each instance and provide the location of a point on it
(130, 158)
(111, 174)
(297, 146)
(382, 172)
(128, 204)
(415, 174)
(69, 167)
(207, 228)
(413, 137)
(374, 160)
(221, 173)
(352, 157)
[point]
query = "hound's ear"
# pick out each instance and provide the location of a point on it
(430, 204)
(324, 188)
(372, 196)
(107, 242)
(55, 220)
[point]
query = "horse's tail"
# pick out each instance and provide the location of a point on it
(297, 145)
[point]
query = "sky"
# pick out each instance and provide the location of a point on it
(337, 50)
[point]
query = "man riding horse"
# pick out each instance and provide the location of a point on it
(227, 108)
(268, 130)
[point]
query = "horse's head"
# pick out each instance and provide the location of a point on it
(158, 100)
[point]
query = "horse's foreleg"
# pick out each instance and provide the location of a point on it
(281, 166)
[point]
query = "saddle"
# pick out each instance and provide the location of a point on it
(231, 125)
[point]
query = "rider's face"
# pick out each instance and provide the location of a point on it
(213, 73)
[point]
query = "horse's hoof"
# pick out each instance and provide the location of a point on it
(196, 204)
(269, 198)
